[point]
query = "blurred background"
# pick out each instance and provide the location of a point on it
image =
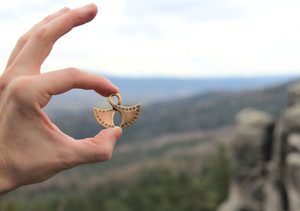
(197, 66)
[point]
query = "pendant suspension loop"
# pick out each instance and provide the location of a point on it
(129, 115)
(111, 102)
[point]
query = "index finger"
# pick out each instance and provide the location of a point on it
(60, 81)
(41, 42)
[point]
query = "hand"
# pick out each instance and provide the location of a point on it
(32, 148)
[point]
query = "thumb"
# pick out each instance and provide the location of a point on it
(96, 149)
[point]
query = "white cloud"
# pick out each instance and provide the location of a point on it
(158, 38)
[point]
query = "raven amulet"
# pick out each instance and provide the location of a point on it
(129, 115)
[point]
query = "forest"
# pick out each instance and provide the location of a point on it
(164, 162)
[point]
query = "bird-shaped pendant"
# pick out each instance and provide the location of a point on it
(129, 115)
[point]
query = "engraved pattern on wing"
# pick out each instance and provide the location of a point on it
(129, 114)
(105, 117)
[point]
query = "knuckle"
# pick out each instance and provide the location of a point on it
(22, 40)
(80, 18)
(106, 152)
(64, 10)
(19, 87)
(41, 33)
(76, 17)
(73, 71)
(66, 161)
(75, 74)
(48, 18)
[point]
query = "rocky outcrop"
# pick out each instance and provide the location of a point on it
(292, 179)
(265, 160)
(248, 160)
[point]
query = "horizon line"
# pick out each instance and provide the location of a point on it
(198, 77)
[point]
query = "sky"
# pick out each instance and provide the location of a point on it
(169, 38)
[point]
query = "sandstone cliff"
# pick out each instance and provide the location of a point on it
(265, 160)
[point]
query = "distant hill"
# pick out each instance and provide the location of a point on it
(149, 90)
(164, 89)
(200, 112)
(180, 136)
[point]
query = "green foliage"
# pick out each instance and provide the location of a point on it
(179, 185)
(187, 183)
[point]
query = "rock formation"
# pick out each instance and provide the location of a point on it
(248, 160)
(265, 160)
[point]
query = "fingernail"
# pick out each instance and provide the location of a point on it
(114, 86)
(63, 10)
(89, 5)
(117, 132)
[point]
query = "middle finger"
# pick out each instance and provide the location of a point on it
(41, 42)
(23, 40)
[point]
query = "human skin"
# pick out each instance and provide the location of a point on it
(32, 148)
